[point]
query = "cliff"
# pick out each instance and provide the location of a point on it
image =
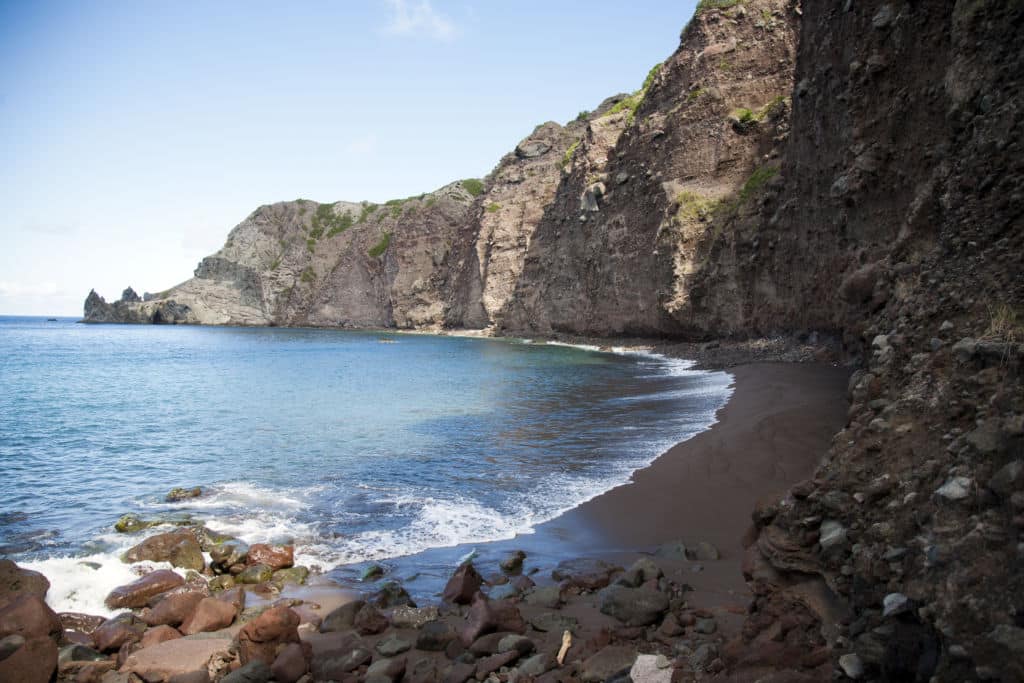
(853, 169)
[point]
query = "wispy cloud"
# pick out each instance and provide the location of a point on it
(22, 289)
(362, 146)
(418, 17)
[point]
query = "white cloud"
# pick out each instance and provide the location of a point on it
(20, 289)
(362, 146)
(417, 17)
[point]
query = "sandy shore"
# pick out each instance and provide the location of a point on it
(771, 434)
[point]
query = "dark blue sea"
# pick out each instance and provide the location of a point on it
(354, 446)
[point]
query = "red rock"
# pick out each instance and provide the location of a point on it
(210, 615)
(179, 657)
(291, 664)
(487, 616)
(233, 596)
(28, 616)
(172, 610)
(138, 593)
(114, 633)
(494, 662)
(33, 662)
(463, 585)
(93, 672)
(158, 548)
(15, 581)
(274, 556)
(260, 638)
(158, 634)
(75, 621)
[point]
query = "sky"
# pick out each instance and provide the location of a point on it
(135, 135)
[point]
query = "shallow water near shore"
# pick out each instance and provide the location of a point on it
(355, 446)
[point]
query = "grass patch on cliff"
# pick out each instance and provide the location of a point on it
(473, 186)
(694, 207)
(326, 220)
(756, 182)
(308, 275)
(276, 264)
(631, 103)
(381, 246)
(493, 207)
(1004, 325)
(368, 208)
(567, 158)
(705, 5)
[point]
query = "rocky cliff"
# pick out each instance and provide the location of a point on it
(850, 168)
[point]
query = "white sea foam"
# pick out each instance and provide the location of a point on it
(582, 347)
(75, 586)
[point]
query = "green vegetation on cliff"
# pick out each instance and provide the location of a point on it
(381, 246)
(473, 186)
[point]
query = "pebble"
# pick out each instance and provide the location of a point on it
(895, 603)
(851, 666)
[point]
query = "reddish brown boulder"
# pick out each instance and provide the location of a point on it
(28, 616)
(274, 556)
(172, 610)
(210, 615)
(138, 593)
(158, 548)
(487, 616)
(33, 662)
(114, 633)
(159, 634)
(291, 664)
(463, 585)
(76, 621)
(14, 581)
(233, 596)
(262, 637)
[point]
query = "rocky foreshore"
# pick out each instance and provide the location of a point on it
(232, 620)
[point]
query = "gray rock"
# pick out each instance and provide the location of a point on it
(1008, 479)
(965, 349)
(675, 550)
(883, 17)
(986, 438)
(536, 665)
(393, 646)
(550, 621)
(12, 643)
(546, 596)
(703, 656)
(706, 626)
(530, 149)
(651, 669)
(255, 671)
(633, 606)
(895, 603)
(957, 488)
(434, 636)
(520, 644)
(607, 663)
(831, 534)
(503, 592)
(342, 618)
(706, 552)
(851, 666)
(513, 564)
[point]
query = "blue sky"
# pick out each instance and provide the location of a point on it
(135, 135)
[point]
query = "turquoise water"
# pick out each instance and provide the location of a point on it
(355, 446)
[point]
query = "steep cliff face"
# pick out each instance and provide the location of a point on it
(618, 248)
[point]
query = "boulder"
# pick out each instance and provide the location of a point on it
(172, 610)
(368, 620)
(257, 573)
(487, 616)
(532, 148)
(178, 657)
(178, 494)
(1008, 479)
(115, 632)
(76, 621)
(553, 622)
(513, 564)
(393, 645)
(608, 663)
(159, 634)
(463, 585)
(15, 580)
(651, 669)
(391, 594)
(34, 662)
(333, 665)
(296, 575)
(634, 606)
(211, 614)
(137, 593)
(28, 616)
(228, 553)
(388, 669)
(274, 556)
(261, 637)
(494, 662)
(342, 618)
(586, 574)
(291, 664)
(434, 636)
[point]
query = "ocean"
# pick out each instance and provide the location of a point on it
(404, 449)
